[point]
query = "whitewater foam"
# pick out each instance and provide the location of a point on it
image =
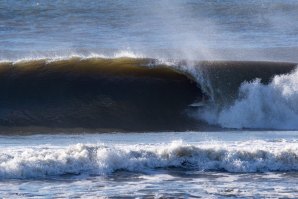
(272, 106)
(100, 159)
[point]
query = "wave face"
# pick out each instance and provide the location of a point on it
(120, 93)
(99, 159)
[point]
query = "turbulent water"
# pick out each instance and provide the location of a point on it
(148, 99)
(171, 164)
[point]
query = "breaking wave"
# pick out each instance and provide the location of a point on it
(100, 159)
(128, 92)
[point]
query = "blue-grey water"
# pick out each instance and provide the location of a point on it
(235, 163)
(253, 30)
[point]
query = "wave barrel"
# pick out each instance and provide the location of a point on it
(107, 94)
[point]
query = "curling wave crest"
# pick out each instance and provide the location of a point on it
(100, 159)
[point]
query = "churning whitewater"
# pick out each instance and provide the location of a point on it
(101, 159)
(272, 106)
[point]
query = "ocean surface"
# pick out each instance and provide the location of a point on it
(148, 99)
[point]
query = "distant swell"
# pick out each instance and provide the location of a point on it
(138, 94)
(82, 159)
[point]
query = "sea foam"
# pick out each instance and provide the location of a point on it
(101, 159)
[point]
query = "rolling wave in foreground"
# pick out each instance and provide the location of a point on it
(145, 94)
(100, 159)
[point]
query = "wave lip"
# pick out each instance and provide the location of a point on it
(102, 159)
